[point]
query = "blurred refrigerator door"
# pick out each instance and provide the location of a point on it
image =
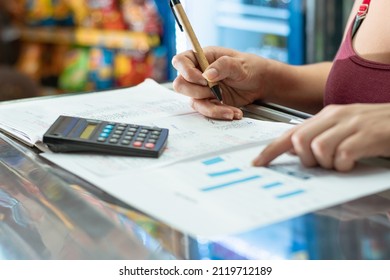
(325, 24)
(270, 28)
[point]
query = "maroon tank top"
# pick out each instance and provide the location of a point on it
(354, 79)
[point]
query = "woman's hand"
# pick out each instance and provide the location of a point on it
(336, 137)
(242, 79)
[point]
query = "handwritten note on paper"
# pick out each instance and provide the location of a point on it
(223, 194)
(190, 135)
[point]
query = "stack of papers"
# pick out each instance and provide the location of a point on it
(203, 184)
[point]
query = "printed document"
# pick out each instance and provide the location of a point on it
(203, 184)
(221, 193)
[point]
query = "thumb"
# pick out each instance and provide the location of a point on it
(224, 67)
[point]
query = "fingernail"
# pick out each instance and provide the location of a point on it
(238, 116)
(210, 74)
(258, 161)
(228, 116)
(203, 82)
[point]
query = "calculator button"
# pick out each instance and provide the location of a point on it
(107, 130)
(156, 132)
(149, 145)
(116, 136)
(143, 135)
(152, 141)
(125, 142)
(132, 129)
(137, 144)
(140, 139)
(144, 131)
(157, 129)
(104, 135)
(118, 132)
(134, 125)
(120, 127)
(127, 137)
(101, 139)
(113, 141)
(130, 133)
(155, 137)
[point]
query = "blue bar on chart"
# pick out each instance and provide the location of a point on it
(290, 194)
(225, 172)
(213, 161)
(229, 184)
(272, 185)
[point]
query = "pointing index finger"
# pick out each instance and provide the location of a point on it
(278, 147)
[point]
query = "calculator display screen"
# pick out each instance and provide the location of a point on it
(87, 132)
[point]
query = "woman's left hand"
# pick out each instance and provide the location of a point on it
(336, 137)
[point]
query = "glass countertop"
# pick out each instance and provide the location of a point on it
(48, 213)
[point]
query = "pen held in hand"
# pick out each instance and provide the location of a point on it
(185, 25)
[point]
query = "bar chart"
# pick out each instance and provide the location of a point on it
(219, 173)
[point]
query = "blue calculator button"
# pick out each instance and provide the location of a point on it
(109, 126)
(106, 130)
(105, 135)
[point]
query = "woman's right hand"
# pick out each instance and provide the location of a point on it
(242, 78)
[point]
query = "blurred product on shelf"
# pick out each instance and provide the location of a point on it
(47, 12)
(130, 68)
(86, 45)
(159, 64)
(75, 73)
(104, 14)
(100, 69)
(142, 16)
(132, 15)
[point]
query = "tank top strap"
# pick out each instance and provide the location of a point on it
(360, 16)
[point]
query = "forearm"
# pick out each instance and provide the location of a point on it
(299, 87)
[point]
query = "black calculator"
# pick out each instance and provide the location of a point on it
(73, 134)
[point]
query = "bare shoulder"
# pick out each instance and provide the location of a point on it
(372, 41)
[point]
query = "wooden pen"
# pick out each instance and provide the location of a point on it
(185, 26)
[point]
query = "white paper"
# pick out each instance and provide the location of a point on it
(223, 194)
(147, 101)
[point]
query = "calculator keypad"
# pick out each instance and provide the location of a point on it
(130, 135)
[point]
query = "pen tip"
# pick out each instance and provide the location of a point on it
(217, 92)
